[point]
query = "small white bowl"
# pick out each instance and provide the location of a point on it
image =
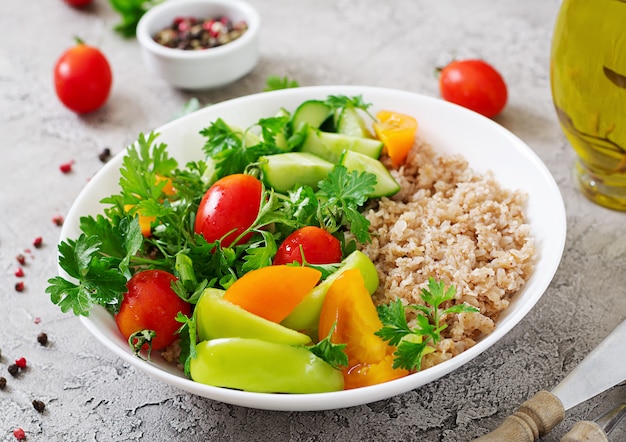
(200, 69)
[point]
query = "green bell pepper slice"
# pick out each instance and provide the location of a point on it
(263, 367)
(306, 315)
(219, 318)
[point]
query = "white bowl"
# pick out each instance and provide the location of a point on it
(449, 129)
(200, 69)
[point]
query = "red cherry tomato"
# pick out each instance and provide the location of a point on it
(318, 247)
(78, 2)
(82, 78)
(230, 205)
(474, 84)
(151, 304)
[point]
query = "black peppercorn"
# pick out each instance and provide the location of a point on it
(13, 369)
(3, 382)
(39, 405)
(42, 338)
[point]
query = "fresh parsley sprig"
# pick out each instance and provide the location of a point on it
(130, 11)
(275, 83)
(333, 354)
(414, 343)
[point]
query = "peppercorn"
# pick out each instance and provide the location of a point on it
(21, 362)
(19, 272)
(38, 241)
(66, 167)
(105, 155)
(42, 338)
(19, 286)
(58, 220)
(3, 382)
(21, 259)
(39, 405)
(190, 33)
(19, 434)
(13, 370)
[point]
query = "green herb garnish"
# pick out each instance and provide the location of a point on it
(414, 343)
(275, 83)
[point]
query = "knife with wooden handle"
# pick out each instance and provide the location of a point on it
(601, 369)
(597, 430)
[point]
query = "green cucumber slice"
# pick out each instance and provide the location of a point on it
(311, 112)
(331, 146)
(283, 171)
(350, 122)
(386, 185)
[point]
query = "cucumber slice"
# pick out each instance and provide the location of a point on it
(284, 171)
(386, 185)
(349, 122)
(311, 112)
(330, 146)
(280, 138)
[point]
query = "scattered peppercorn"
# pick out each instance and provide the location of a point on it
(191, 33)
(13, 369)
(42, 338)
(105, 155)
(58, 220)
(21, 259)
(39, 405)
(37, 320)
(66, 167)
(38, 242)
(19, 272)
(19, 286)
(19, 434)
(3, 382)
(21, 362)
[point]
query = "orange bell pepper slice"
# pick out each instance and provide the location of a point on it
(349, 308)
(273, 292)
(397, 132)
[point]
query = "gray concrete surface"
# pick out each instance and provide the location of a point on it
(91, 395)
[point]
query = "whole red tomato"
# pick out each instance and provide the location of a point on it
(78, 2)
(151, 304)
(474, 84)
(318, 247)
(82, 78)
(229, 208)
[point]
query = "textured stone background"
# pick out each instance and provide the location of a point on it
(91, 395)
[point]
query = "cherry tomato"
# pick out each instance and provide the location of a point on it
(474, 84)
(78, 2)
(318, 247)
(151, 304)
(83, 78)
(229, 208)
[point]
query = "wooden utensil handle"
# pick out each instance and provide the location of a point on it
(585, 431)
(534, 418)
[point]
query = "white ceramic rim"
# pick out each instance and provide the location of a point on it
(173, 8)
(546, 215)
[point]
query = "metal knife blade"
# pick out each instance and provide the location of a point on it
(600, 370)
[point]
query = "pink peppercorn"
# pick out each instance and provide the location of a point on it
(66, 167)
(19, 286)
(38, 241)
(19, 434)
(19, 272)
(58, 220)
(21, 362)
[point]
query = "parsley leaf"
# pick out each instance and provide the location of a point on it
(343, 192)
(187, 343)
(274, 83)
(333, 354)
(230, 150)
(337, 102)
(414, 343)
(131, 11)
(98, 281)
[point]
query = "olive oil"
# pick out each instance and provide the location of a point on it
(588, 80)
